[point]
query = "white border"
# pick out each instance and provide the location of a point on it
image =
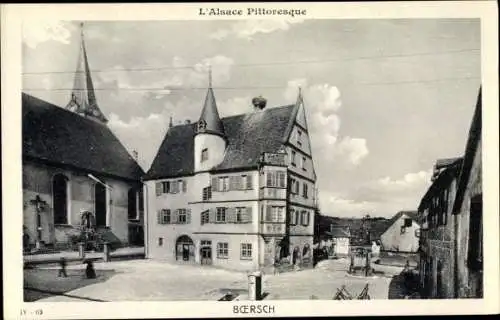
(12, 16)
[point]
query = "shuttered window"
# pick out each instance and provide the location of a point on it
(249, 182)
(164, 216)
(207, 193)
(304, 218)
(281, 179)
(215, 184)
(221, 214)
(159, 189)
(270, 179)
(292, 217)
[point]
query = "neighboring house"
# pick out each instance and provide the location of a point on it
(73, 162)
(468, 208)
(236, 192)
(340, 237)
(402, 233)
(437, 221)
(451, 246)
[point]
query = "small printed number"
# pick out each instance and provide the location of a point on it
(39, 312)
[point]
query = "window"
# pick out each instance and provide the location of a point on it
(174, 187)
(299, 137)
(166, 187)
(292, 185)
(132, 204)
(246, 251)
(297, 217)
(270, 179)
(292, 217)
(275, 214)
(207, 193)
(60, 198)
(164, 216)
(304, 163)
(221, 214)
(281, 179)
(204, 155)
(304, 190)
(160, 242)
(297, 187)
(408, 223)
(294, 154)
(182, 216)
(202, 125)
(184, 186)
(222, 250)
(248, 182)
(304, 218)
(205, 243)
(205, 217)
(223, 184)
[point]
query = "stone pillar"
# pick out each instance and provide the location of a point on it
(106, 252)
(255, 286)
(81, 250)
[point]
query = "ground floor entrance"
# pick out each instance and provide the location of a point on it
(184, 249)
(206, 252)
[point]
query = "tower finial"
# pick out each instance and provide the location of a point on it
(170, 124)
(210, 76)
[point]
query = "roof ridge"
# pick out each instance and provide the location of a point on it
(266, 110)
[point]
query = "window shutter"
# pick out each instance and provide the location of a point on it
(270, 179)
(302, 217)
(158, 216)
(249, 182)
(159, 189)
(297, 217)
(308, 215)
(215, 184)
(211, 215)
(188, 216)
(248, 214)
(173, 216)
(230, 215)
(184, 186)
(233, 183)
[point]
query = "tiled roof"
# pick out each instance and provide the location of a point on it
(248, 135)
(60, 137)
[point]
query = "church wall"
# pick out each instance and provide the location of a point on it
(37, 180)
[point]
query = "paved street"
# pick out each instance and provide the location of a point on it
(156, 280)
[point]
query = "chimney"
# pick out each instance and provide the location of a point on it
(259, 103)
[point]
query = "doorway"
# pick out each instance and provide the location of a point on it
(100, 205)
(184, 249)
(206, 252)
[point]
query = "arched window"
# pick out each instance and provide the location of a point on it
(132, 203)
(60, 198)
(184, 248)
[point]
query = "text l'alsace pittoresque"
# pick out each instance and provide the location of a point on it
(291, 12)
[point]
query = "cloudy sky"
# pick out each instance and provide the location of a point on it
(385, 98)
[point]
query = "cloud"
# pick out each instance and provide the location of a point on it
(354, 149)
(247, 28)
(36, 32)
(383, 196)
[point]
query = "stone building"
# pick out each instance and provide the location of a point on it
(451, 244)
(236, 192)
(468, 208)
(437, 232)
(73, 162)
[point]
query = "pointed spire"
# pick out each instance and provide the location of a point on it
(171, 123)
(299, 97)
(83, 100)
(209, 121)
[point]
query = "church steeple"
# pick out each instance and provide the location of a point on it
(83, 100)
(209, 121)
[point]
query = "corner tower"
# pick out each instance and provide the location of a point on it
(210, 139)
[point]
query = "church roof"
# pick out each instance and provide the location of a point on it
(248, 135)
(62, 138)
(210, 115)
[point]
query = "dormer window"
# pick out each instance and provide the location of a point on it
(202, 125)
(204, 154)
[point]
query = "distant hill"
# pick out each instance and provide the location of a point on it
(377, 225)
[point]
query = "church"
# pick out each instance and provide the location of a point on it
(72, 162)
(237, 192)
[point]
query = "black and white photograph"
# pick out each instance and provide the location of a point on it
(251, 154)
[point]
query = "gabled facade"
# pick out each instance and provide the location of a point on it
(402, 233)
(236, 192)
(73, 162)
